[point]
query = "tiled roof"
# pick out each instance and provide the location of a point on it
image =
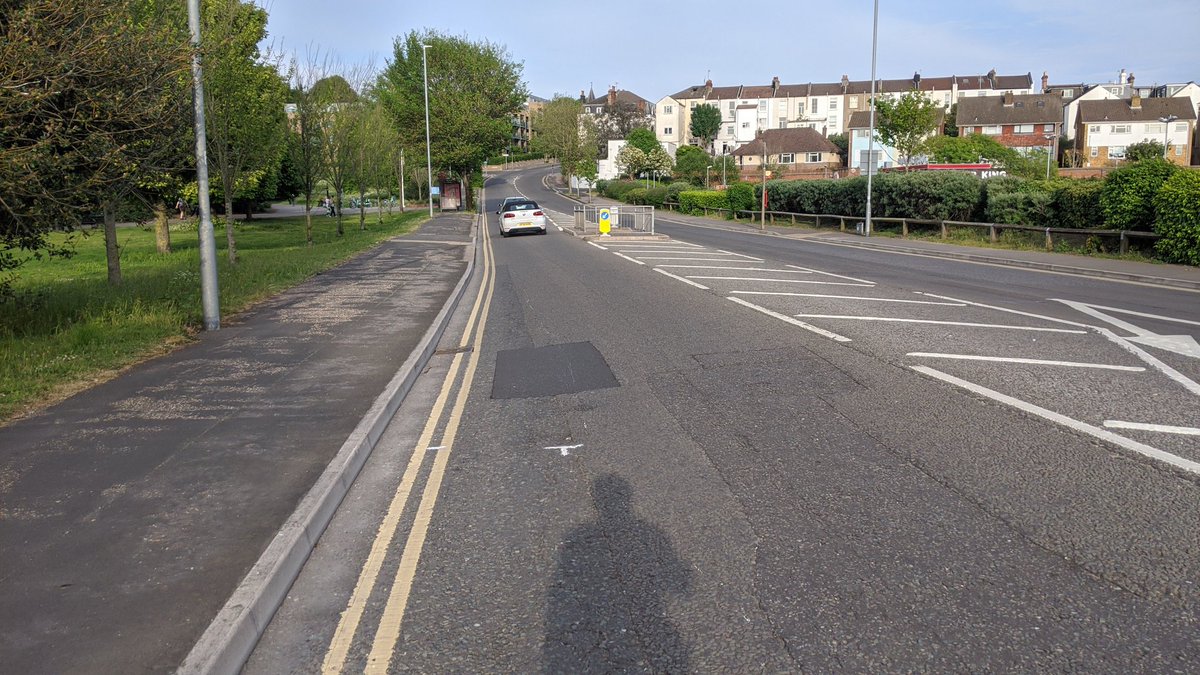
(623, 96)
(861, 119)
(1120, 110)
(788, 140)
(895, 86)
(1025, 109)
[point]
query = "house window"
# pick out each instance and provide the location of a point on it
(787, 158)
(732, 105)
(1181, 128)
(1095, 152)
(816, 105)
(762, 106)
(729, 131)
(667, 131)
(812, 157)
(1048, 128)
(668, 109)
(800, 108)
(1122, 128)
(1093, 128)
(992, 130)
(1022, 128)
(783, 123)
(861, 133)
(946, 102)
(1116, 152)
(1154, 128)
(693, 104)
(833, 103)
(1178, 150)
(853, 101)
(745, 125)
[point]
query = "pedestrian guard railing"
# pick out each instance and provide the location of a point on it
(621, 218)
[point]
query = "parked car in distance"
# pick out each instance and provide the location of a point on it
(523, 215)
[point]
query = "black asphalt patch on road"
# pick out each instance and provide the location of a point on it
(550, 371)
(130, 512)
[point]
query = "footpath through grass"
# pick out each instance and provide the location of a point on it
(69, 329)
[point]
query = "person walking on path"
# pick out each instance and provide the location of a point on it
(180, 207)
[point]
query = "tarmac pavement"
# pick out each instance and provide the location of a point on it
(130, 512)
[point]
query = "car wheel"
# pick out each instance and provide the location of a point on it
(543, 231)
(503, 233)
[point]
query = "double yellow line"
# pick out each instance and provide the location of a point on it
(390, 622)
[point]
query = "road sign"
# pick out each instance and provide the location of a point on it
(605, 221)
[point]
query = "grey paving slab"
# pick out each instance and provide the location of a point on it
(132, 510)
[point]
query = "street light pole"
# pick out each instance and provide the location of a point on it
(1049, 151)
(871, 141)
(706, 176)
(1167, 130)
(209, 295)
(428, 150)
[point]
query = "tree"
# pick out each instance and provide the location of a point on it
(474, 90)
(1145, 150)
(306, 135)
(643, 139)
(631, 160)
(725, 169)
(616, 121)
(690, 164)
(981, 148)
(563, 131)
(243, 97)
(950, 124)
(659, 163)
(842, 141)
(587, 170)
(906, 122)
(706, 122)
(339, 103)
(1128, 196)
(90, 93)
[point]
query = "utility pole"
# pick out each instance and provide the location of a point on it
(871, 142)
(428, 149)
(209, 296)
(401, 180)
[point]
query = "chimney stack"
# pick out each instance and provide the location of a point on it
(1045, 81)
(916, 80)
(774, 85)
(1121, 77)
(707, 87)
(1135, 102)
(1131, 79)
(992, 77)
(612, 95)
(845, 83)
(1008, 99)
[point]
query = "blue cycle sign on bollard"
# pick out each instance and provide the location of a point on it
(605, 221)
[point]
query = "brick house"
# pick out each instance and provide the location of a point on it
(801, 153)
(1023, 122)
(1105, 128)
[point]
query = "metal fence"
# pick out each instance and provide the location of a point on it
(624, 219)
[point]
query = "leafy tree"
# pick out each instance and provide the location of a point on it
(339, 128)
(90, 94)
(906, 122)
(690, 164)
(563, 131)
(643, 139)
(1144, 150)
(306, 135)
(243, 97)
(950, 126)
(474, 90)
(616, 121)
(587, 170)
(659, 162)
(725, 169)
(631, 160)
(981, 148)
(289, 185)
(706, 122)
(842, 141)
(1128, 197)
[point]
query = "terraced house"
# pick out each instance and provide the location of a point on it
(1106, 128)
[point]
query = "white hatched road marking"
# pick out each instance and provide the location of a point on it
(787, 319)
(1058, 418)
(740, 255)
(592, 243)
(688, 259)
(748, 269)
(849, 297)
(783, 281)
(633, 260)
(671, 250)
(686, 281)
(1035, 329)
(831, 274)
(653, 243)
(1159, 428)
(1036, 362)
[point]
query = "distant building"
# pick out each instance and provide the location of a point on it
(1106, 128)
(795, 151)
(1024, 123)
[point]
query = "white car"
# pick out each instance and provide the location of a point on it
(523, 215)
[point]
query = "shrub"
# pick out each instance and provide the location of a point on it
(635, 196)
(695, 201)
(1128, 196)
(928, 195)
(601, 186)
(655, 196)
(617, 189)
(1177, 206)
(1017, 201)
(1076, 203)
(741, 196)
(675, 188)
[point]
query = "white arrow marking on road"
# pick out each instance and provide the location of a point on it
(564, 449)
(1180, 344)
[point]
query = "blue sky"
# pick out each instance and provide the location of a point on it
(655, 48)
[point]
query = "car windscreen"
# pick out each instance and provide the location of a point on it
(520, 206)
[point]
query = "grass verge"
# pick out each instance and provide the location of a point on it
(68, 329)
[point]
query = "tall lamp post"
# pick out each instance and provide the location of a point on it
(706, 176)
(209, 295)
(871, 142)
(1167, 130)
(428, 151)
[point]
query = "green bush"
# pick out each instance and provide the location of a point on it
(1177, 205)
(675, 188)
(655, 196)
(1128, 196)
(741, 196)
(695, 201)
(601, 186)
(928, 195)
(1017, 201)
(635, 196)
(1076, 203)
(617, 189)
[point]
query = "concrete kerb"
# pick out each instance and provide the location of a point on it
(233, 634)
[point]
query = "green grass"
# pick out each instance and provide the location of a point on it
(68, 328)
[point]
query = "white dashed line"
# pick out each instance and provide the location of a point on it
(685, 251)
(622, 255)
(940, 323)
(1036, 362)
(1159, 428)
(747, 269)
(740, 255)
(787, 319)
(849, 297)
(686, 281)
(1082, 427)
(687, 259)
(592, 243)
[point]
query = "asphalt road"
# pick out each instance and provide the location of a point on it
(723, 452)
